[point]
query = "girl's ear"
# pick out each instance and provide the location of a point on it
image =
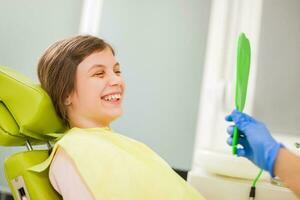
(68, 101)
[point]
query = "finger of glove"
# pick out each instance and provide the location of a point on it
(228, 118)
(241, 152)
(230, 130)
(241, 120)
(229, 141)
(241, 141)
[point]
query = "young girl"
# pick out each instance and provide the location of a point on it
(91, 161)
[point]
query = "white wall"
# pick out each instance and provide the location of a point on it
(28, 27)
(161, 46)
(277, 96)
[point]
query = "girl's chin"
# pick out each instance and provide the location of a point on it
(113, 113)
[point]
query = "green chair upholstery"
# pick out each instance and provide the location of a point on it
(23, 182)
(29, 105)
(9, 130)
(27, 115)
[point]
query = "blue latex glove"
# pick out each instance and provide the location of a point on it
(256, 142)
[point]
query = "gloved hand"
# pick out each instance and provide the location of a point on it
(257, 143)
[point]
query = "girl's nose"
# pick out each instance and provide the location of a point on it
(114, 79)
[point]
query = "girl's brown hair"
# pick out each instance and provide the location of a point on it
(57, 67)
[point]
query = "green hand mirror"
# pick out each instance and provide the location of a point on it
(242, 75)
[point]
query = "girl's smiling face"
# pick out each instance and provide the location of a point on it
(99, 91)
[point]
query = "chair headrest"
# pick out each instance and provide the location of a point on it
(9, 129)
(26, 110)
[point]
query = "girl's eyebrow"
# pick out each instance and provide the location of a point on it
(103, 66)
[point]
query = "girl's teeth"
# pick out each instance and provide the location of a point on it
(112, 97)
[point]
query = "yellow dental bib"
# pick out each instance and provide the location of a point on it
(115, 167)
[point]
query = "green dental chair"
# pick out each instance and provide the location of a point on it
(27, 117)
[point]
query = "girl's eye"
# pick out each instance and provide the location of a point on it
(99, 74)
(118, 72)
